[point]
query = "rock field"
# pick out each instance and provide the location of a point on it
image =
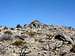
(37, 39)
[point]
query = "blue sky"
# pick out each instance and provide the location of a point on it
(13, 12)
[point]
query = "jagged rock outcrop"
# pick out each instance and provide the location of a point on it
(37, 39)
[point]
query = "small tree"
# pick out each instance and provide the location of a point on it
(12, 28)
(5, 27)
(25, 25)
(18, 26)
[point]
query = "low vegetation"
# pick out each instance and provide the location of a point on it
(8, 32)
(18, 43)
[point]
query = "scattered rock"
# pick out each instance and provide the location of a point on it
(37, 39)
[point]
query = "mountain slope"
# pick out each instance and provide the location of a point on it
(37, 39)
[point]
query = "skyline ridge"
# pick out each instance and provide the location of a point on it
(13, 12)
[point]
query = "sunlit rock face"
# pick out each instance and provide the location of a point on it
(37, 39)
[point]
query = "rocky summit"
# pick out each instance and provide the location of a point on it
(37, 39)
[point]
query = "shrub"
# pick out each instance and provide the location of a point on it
(18, 43)
(0, 30)
(5, 27)
(18, 26)
(8, 32)
(25, 25)
(12, 28)
(31, 33)
(73, 49)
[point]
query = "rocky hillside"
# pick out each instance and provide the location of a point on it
(37, 39)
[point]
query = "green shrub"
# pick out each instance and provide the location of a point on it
(31, 33)
(18, 43)
(5, 27)
(8, 32)
(18, 26)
